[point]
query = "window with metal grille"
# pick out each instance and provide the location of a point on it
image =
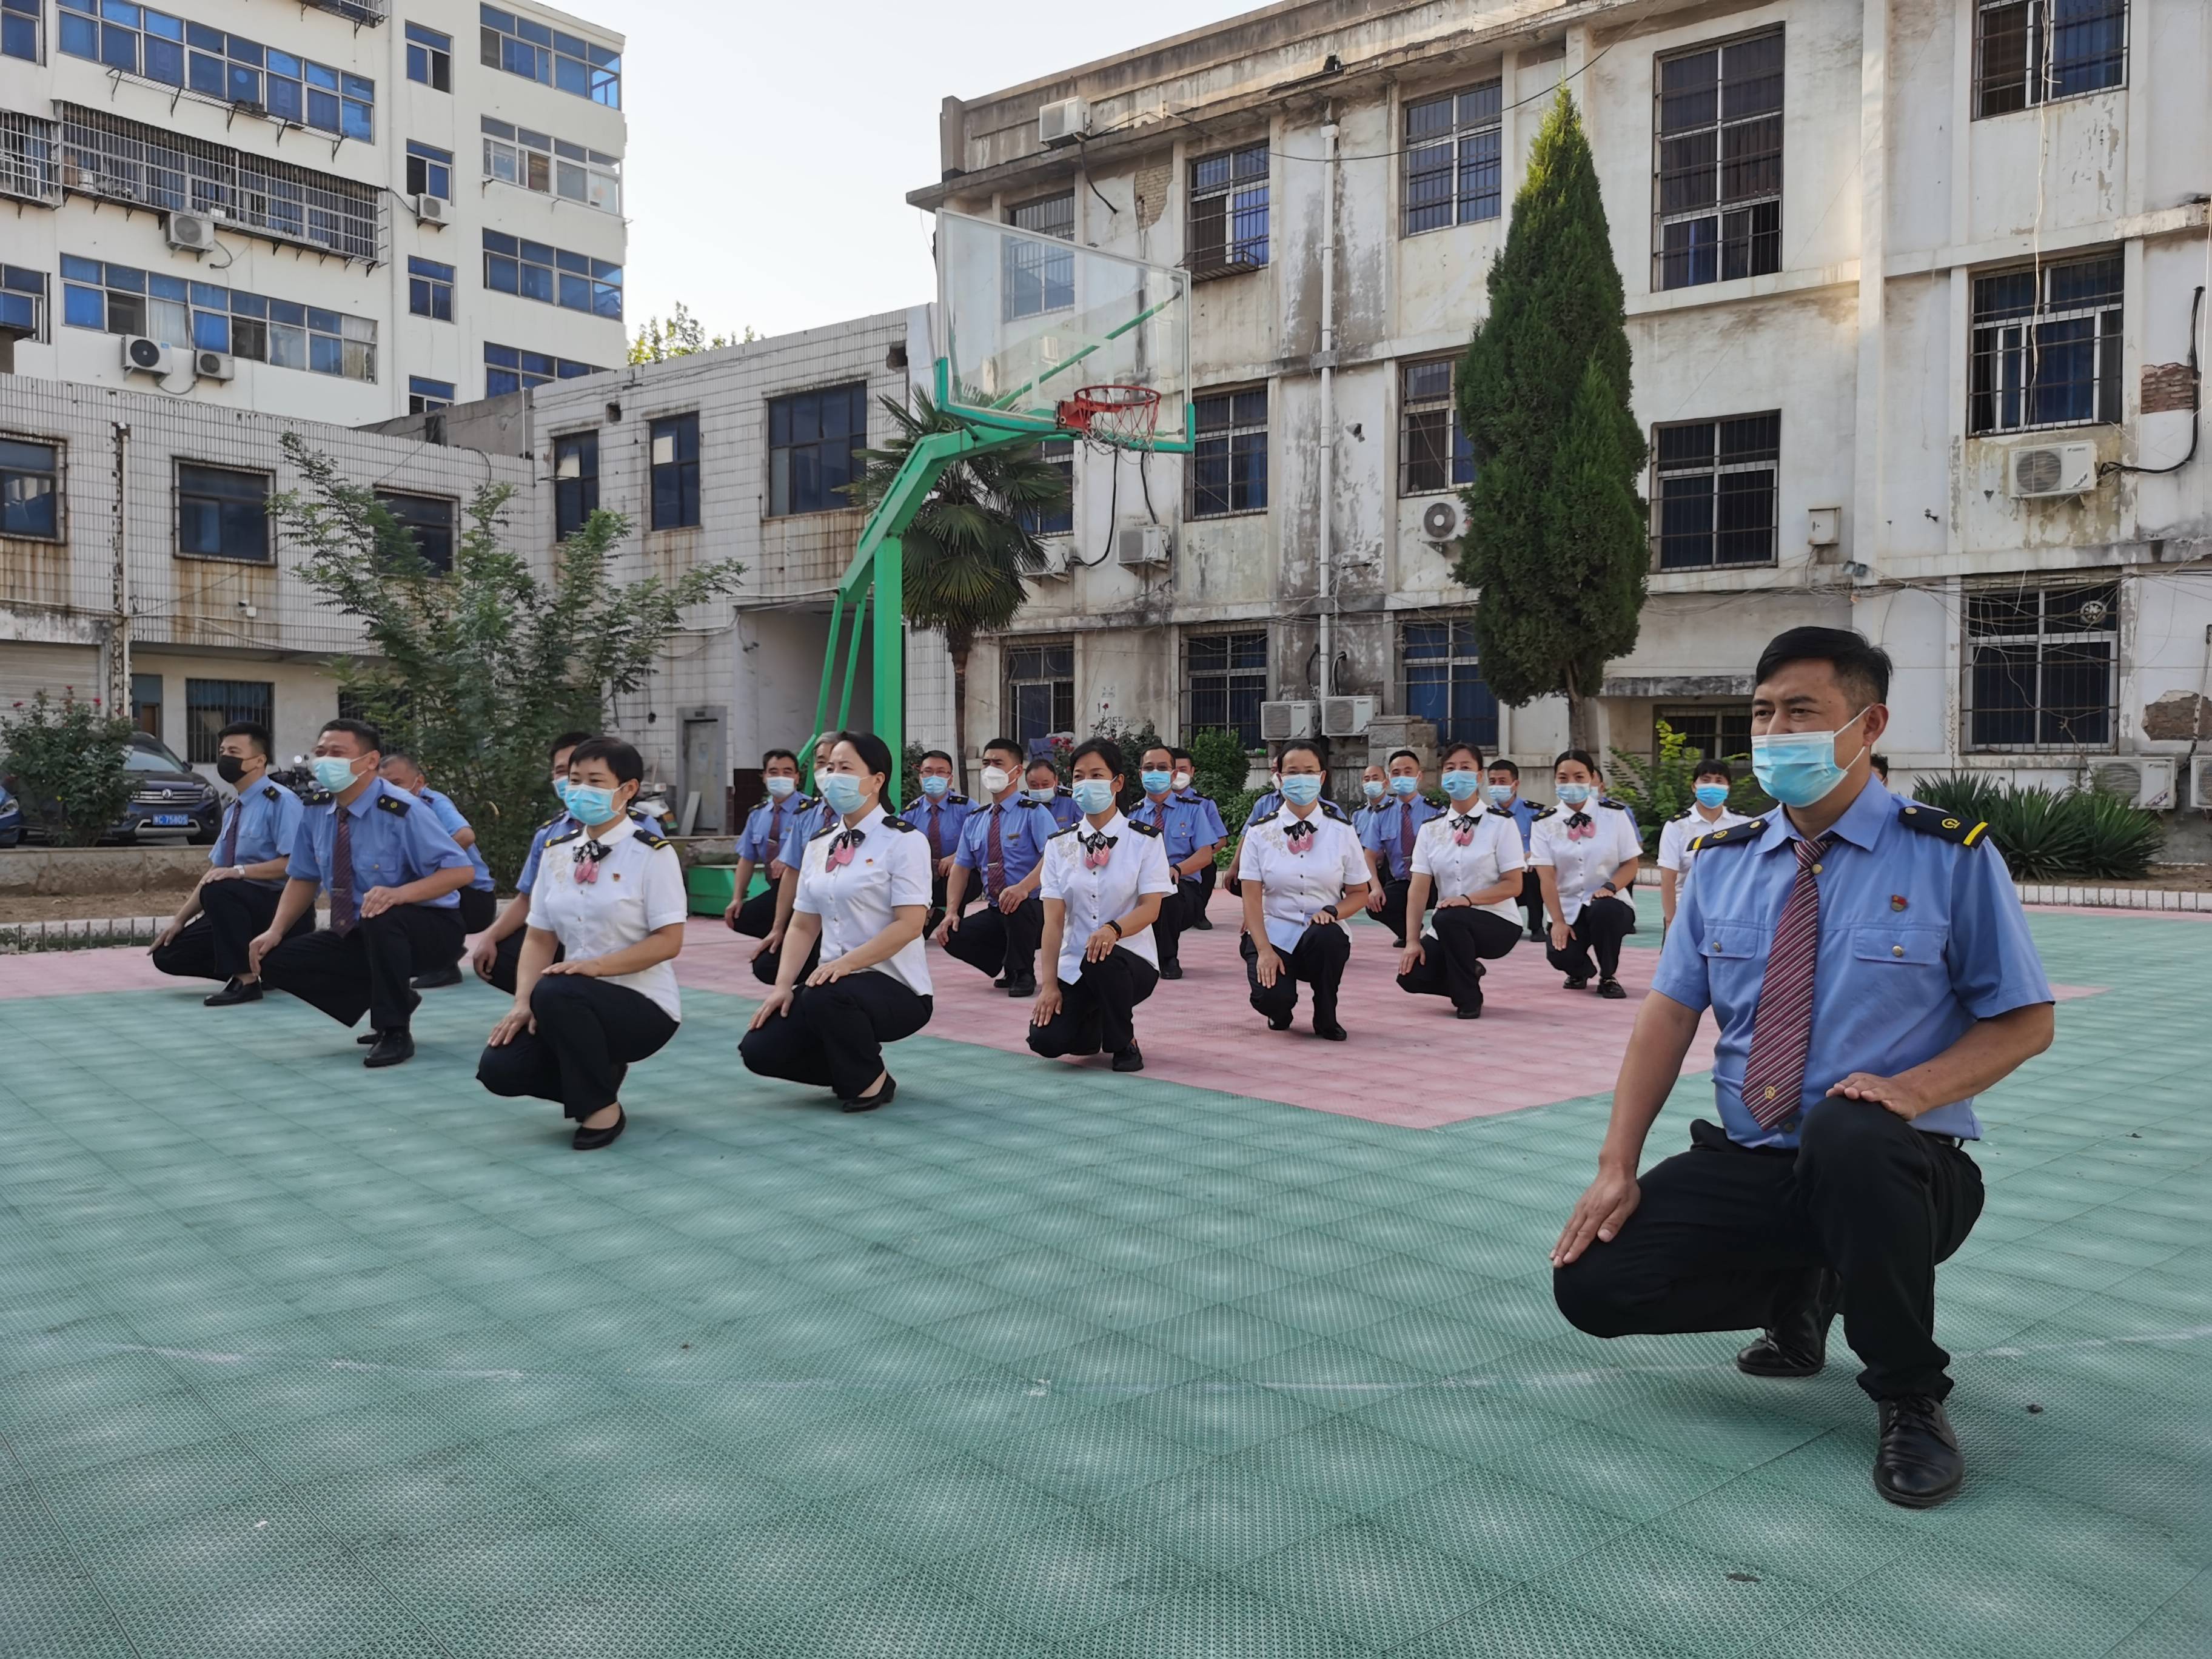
(1058, 454)
(1717, 482)
(154, 45)
(2034, 51)
(146, 703)
(676, 471)
(30, 489)
(430, 58)
(1229, 211)
(1452, 173)
(576, 481)
(508, 369)
(1040, 279)
(210, 705)
(2042, 664)
(2047, 346)
(429, 519)
(1433, 453)
(19, 29)
(27, 158)
(550, 165)
(1040, 691)
(429, 289)
(1718, 733)
(552, 275)
(1717, 195)
(23, 302)
(1229, 460)
(222, 514)
(282, 333)
(1443, 684)
(813, 438)
(429, 171)
(1224, 681)
(550, 57)
(425, 394)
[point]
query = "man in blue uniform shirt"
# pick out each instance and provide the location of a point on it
(478, 901)
(1189, 829)
(1045, 788)
(760, 845)
(391, 873)
(1870, 970)
(1388, 840)
(801, 826)
(237, 897)
(1000, 846)
(1185, 778)
(938, 812)
(1502, 786)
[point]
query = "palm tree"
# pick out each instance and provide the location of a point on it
(971, 547)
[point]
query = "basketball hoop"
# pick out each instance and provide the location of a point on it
(1112, 414)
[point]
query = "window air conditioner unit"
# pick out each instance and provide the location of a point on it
(1346, 717)
(146, 356)
(214, 365)
(1444, 521)
(1062, 123)
(2200, 783)
(1139, 546)
(194, 231)
(431, 209)
(2040, 470)
(1053, 562)
(1281, 722)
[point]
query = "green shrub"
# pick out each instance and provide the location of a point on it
(2119, 839)
(1666, 786)
(64, 762)
(2046, 834)
(1220, 766)
(1236, 807)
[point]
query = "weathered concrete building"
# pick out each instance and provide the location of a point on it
(1911, 287)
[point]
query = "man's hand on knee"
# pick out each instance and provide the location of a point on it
(1599, 1215)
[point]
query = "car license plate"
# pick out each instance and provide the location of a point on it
(172, 821)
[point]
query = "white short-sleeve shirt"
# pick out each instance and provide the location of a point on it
(890, 867)
(1464, 853)
(1295, 883)
(1136, 863)
(1584, 862)
(1677, 832)
(637, 890)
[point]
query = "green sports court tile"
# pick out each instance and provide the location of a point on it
(1093, 1459)
(1062, 1580)
(1952, 1595)
(1378, 1588)
(1217, 1617)
(949, 1508)
(1524, 1624)
(1220, 1418)
(1218, 1516)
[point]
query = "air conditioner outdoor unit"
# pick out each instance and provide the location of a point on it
(2155, 792)
(1137, 545)
(146, 356)
(1062, 123)
(1055, 560)
(431, 209)
(1280, 722)
(214, 365)
(194, 231)
(2200, 783)
(2041, 470)
(1346, 717)
(1444, 521)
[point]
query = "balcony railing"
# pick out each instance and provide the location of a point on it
(362, 14)
(27, 159)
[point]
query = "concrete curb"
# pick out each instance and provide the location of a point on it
(2113, 898)
(88, 933)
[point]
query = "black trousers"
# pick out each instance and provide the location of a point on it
(1178, 910)
(1205, 879)
(1451, 962)
(1317, 961)
(768, 961)
(1393, 913)
(995, 943)
(589, 1034)
(233, 913)
(1598, 931)
(1096, 1011)
(1532, 902)
(756, 915)
(366, 971)
(506, 957)
(1729, 1239)
(479, 909)
(834, 1035)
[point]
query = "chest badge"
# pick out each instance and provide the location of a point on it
(1897, 901)
(616, 876)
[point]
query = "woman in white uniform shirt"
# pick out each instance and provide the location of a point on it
(1585, 854)
(863, 892)
(1303, 871)
(610, 898)
(1473, 860)
(1104, 880)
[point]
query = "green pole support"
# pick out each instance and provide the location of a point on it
(852, 661)
(891, 659)
(828, 673)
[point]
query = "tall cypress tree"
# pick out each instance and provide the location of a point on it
(1556, 541)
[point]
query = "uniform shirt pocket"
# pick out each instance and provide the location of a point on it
(1732, 941)
(1915, 947)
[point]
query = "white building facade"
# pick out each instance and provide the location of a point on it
(341, 210)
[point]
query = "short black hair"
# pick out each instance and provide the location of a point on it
(401, 757)
(1582, 754)
(1149, 748)
(566, 740)
(1880, 763)
(625, 761)
(361, 730)
(1310, 745)
(1451, 748)
(875, 754)
(1106, 748)
(1183, 753)
(1713, 768)
(1013, 746)
(252, 730)
(929, 754)
(1045, 761)
(1502, 764)
(770, 757)
(1863, 667)
(1397, 755)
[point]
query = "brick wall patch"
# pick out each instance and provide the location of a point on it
(2168, 388)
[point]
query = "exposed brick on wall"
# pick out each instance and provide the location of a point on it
(2168, 387)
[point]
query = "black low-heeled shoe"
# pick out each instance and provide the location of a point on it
(234, 993)
(869, 1102)
(590, 1140)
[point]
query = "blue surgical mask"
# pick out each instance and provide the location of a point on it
(333, 772)
(781, 789)
(1800, 767)
(1573, 794)
(1093, 795)
(936, 787)
(1712, 795)
(843, 792)
(1301, 788)
(591, 805)
(1402, 787)
(1462, 786)
(1156, 783)
(1373, 788)
(561, 788)
(1500, 794)
(1041, 797)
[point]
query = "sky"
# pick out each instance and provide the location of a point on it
(772, 142)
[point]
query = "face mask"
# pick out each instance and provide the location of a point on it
(1402, 786)
(1499, 793)
(819, 777)
(1801, 768)
(1301, 788)
(1462, 786)
(1183, 779)
(1156, 783)
(1712, 795)
(1373, 787)
(1093, 795)
(333, 772)
(1041, 797)
(843, 792)
(996, 778)
(591, 805)
(229, 768)
(936, 787)
(561, 788)
(1574, 794)
(1275, 782)
(781, 789)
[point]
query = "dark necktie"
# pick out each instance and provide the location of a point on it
(775, 826)
(1782, 1025)
(936, 830)
(1404, 834)
(344, 911)
(995, 860)
(229, 855)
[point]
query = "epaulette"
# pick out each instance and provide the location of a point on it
(1070, 830)
(271, 791)
(566, 836)
(1330, 809)
(1543, 812)
(1617, 805)
(1189, 795)
(650, 837)
(1500, 812)
(891, 822)
(954, 798)
(393, 803)
(315, 795)
(1141, 829)
(550, 821)
(1039, 804)
(1935, 821)
(1684, 813)
(1438, 801)
(1063, 791)
(1736, 835)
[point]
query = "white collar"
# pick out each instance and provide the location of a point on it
(625, 827)
(1113, 826)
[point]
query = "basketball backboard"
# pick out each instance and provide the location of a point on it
(1026, 320)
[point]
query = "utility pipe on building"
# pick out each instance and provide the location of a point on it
(1325, 583)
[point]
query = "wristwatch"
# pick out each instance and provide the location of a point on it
(1116, 927)
(1608, 887)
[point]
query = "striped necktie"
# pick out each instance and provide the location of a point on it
(1782, 1025)
(228, 856)
(345, 909)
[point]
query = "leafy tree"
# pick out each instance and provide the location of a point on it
(970, 548)
(680, 336)
(65, 765)
(475, 671)
(1220, 764)
(1556, 541)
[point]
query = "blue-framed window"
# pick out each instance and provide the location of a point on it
(576, 481)
(23, 302)
(430, 289)
(429, 171)
(1717, 144)
(1058, 454)
(19, 29)
(157, 46)
(676, 471)
(551, 165)
(2047, 346)
(430, 58)
(508, 369)
(1229, 460)
(813, 438)
(1444, 683)
(1433, 452)
(1452, 174)
(123, 299)
(1229, 211)
(30, 489)
(2033, 52)
(425, 394)
(550, 57)
(553, 276)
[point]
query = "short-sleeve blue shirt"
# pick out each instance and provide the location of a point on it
(1269, 803)
(1185, 823)
(1524, 814)
(391, 845)
(763, 836)
(809, 822)
(940, 821)
(1921, 936)
(1026, 826)
(267, 815)
(1382, 836)
(450, 821)
(1062, 807)
(1216, 829)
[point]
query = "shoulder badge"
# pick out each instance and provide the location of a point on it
(954, 798)
(1684, 813)
(1608, 800)
(313, 795)
(1330, 809)
(392, 804)
(1141, 829)
(1936, 820)
(893, 822)
(1064, 791)
(1735, 834)
(1039, 805)
(1542, 813)
(271, 791)
(1070, 830)
(567, 835)
(650, 838)
(829, 829)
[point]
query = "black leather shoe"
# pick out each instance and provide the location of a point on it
(390, 1049)
(1131, 1059)
(869, 1102)
(1610, 989)
(1474, 1013)
(1279, 1024)
(1574, 984)
(1330, 1032)
(590, 1140)
(1173, 971)
(1202, 925)
(1796, 1344)
(232, 994)
(1023, 987)
(999, 983)
(1918, 1464)
(439, 979)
